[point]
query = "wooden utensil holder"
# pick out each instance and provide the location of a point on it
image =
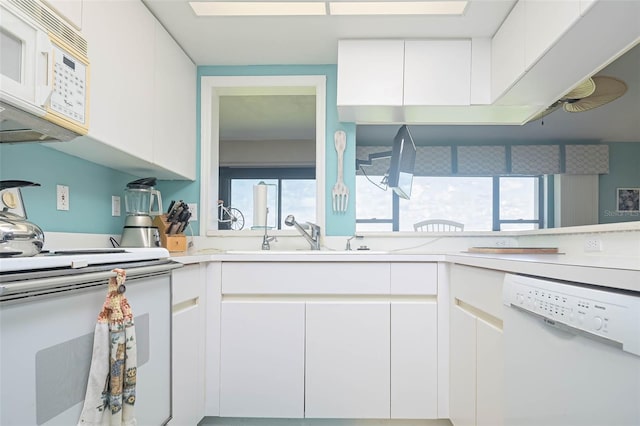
(173, 242)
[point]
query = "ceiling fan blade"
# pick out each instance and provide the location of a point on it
(607, 89)
(582, 90)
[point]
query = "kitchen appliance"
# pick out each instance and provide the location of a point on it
(140, 196)
(572, 354)
(44, 75)
(18, 237)
(48, 310)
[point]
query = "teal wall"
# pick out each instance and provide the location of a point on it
(90, 189)
(624, 161)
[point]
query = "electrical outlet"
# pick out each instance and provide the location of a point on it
(62, 198)
(115, 205)
(193, 208)
(502, 243)
(593, 244)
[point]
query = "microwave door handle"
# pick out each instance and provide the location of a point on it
(44, 69)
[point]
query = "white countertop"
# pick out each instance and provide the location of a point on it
(616, 272)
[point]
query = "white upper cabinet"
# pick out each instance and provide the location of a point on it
(141, 94)
(507, 52)
(545, 22)
(121, 88)
(437, 72)
(174, 107)
(399, 72)
(370, 72)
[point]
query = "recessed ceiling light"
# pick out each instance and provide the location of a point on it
(397, 7)
(254, 8)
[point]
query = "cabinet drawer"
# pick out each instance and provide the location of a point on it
(480, 288)
(305, 278)
(186, 283)
(414, 278)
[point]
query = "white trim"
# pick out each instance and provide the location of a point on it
(211, 88)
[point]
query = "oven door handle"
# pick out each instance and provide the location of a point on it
(69, 282)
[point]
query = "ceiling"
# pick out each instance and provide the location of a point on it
(313, 40)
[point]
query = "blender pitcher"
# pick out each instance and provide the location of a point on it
(140, 197)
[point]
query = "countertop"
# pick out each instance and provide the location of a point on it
(618, 272)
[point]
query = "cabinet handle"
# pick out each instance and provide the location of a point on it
(185, 305)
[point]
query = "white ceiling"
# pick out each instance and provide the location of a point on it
(313, 40)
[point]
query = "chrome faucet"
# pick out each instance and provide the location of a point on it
(266, 238)
(313, 239)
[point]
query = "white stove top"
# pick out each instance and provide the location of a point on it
(80, 258)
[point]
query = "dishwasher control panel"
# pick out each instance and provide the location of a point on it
(614, 316)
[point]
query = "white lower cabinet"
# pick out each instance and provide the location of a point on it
(187, 348)
(490, 375)
(300, 343)
(348, 360)
(463, 368)
(262, 359)
(414, 360)
(476, 354)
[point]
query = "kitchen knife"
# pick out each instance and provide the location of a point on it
(170, 206)
(184, 222)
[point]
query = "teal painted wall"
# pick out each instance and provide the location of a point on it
(90, 189)
(624, 161)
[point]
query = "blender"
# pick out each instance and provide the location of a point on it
(139, 199)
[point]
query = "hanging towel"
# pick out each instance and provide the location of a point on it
(111, 388)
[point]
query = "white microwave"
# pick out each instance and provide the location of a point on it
(44, 75)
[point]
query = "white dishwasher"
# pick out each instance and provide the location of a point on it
(572, 354)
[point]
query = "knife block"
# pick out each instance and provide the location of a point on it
(174, 242)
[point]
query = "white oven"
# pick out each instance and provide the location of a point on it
(44, 74)
(47, 321)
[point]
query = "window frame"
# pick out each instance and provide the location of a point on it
(227, 174)
(496, 221)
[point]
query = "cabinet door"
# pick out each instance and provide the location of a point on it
(187, 345)
(174, 141)
(508, 52)
(490, 375)
(545, 23)
(262, 359)
(347, 360)
(370, 72)
(414, 360)
(437, 72)
(462, 395)
(120, 37)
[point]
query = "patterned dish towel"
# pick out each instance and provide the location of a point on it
(111, 388)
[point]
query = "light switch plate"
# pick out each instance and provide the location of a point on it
(115, 205)
(193, 208)
(62, 197)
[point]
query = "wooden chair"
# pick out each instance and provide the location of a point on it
(438, 225)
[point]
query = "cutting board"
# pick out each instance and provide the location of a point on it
(514, 250)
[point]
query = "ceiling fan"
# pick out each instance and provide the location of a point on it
(591, 93)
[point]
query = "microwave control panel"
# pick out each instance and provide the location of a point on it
(70, 78)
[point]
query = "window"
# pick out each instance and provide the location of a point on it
(482, 203)
(290, 191)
